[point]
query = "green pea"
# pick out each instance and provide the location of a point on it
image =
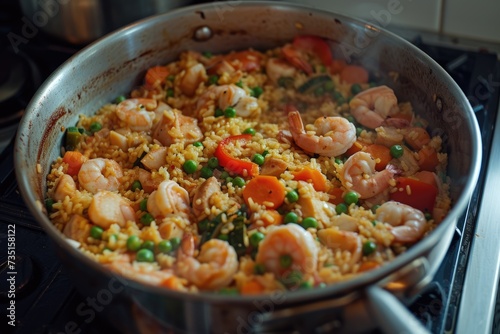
(249, 131)
(206, 172)
(256, 91)
(256, 238)
(143, 205)
(96, 232)
(309, 222)
(356, 88)
(170, 92)
(239, 84)
(375, 207)
(96, 126)
(145, 255)
(258, 159)
(190, 166)
(292, 196)
(396, 151)
(294, 278)
(230, 112)
(239, 181)
(218, 112)
(351, 119)
(358, 131)
(374, 222)
(338, 161)
(223, 237)
(369, 247)
(229, 179)
(213, 162)
(339, 97)
(322, 285)
(171, 77)
(351, 197)
(224, 175)
(266, 152)
(176, 242)
(259, 269)
(147, 219)
(133, 243)
(213, 79)
(120, 99)
(165, 246)
(49, 202)
(291, 217)
(341, 208)
(306, 285)
(286, 261)
(148, 244)
(203, 225)
(197, 144)
(207, 54)
(136, 185)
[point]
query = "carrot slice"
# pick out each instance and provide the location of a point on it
(265, 189)
(415, 193)
(368, 265)
(155, 75)
(356, 147)
(75, 160)
(427, 177)
(336, 196)
(417, 137)
(337, 66)
(352, 74)
(272, 217)
(251, 287)
(428, 159)
(380, 153)
(313, 176)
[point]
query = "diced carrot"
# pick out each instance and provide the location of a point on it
(173, 283)
(352, 74)
(75, 160)
(427, 177)
(406, 116)
(368, 265)
(265, 189)
(380, 153)
(155, 75)
(415, 193)
(272, 217)
(336, 196)
(337, 66)
(417, 137)
(252, 287)
(428, 159)
(356, 147)
(313, 176)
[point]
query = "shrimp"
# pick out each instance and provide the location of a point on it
(191, 79)
(77, 228)
(288, 242)
(65, 186)
(247, 61)
(358, 174)
(174, 127)
(137, 113)
(100, 174)
(409, 223)
(334, 135)
(230, 96)
(297, 58)
(214, 267)
(372, 106)
(344, 240)
(277, 68)
(109, 208)
(169, 198)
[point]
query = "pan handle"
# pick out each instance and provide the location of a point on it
(392, 316)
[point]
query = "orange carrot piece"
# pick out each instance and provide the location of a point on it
(337, 66)
(265, 188)
(417, 137)
(173, 283)
(313, 176)
(352, 74)
(368, 265)
(252, 287)
(402, 115)
(380, 153)
(336, 197)
(155, 75)
(428, 159)
(277, 219)
(356, 147)
(426, 177)
(75, 160)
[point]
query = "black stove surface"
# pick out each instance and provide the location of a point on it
(46, 300)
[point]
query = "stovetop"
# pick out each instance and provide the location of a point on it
(47, 302)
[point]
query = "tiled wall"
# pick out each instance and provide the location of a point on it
(477, 19)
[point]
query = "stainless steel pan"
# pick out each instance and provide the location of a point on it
(116, 63)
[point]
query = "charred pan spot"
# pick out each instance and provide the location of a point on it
(201, 14)
(238, 32)
(145, 53)
(51, 123)
(338, 21)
